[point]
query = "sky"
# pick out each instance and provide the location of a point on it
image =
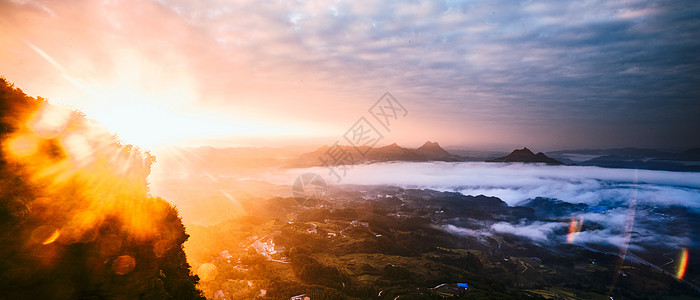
(549, 75)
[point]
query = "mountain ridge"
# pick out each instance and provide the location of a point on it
(344, 154)
(525, 155)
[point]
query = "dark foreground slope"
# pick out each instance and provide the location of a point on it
(76, 221)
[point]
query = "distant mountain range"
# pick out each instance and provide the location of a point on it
(430, 151)
(433, 151)
(688, 160)
(634, 158)
(250, 160)
(526, 156)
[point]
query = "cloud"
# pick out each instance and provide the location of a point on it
(515, 182)
(558, 73)
(540, 232)
(604, 237)
(537, 231)
(461, 231)
(648, 231)
(632, 197)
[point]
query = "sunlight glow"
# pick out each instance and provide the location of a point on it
(69, 159)
(50, 121)
(141, 104)
(153, 105)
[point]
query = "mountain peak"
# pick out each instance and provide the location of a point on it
(430, 144)
(391, 146)
(430, 151)
(433, 151)
(527, 156)
(523, 151)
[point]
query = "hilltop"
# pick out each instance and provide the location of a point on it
(429, 151)
(433, 151)
(526, 156)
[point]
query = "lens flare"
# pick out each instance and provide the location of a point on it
(54, 236)
(51, 121)
(161, 247)
(23, 145)
(123, 264)
(72, 158)
(206, 271)
(682, 263)
(574, 229)
(77, 204)
(44, 235)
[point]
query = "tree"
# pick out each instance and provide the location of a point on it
(76, 221)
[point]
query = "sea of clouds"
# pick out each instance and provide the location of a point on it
(631, 195)
(516, 182)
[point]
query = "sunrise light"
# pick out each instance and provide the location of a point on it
(335, 149)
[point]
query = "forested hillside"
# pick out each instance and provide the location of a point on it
(76, 219)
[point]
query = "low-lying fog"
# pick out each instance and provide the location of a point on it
(515, 182)
(616, 189)
(651, 194)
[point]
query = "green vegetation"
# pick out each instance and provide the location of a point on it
(352, 248)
